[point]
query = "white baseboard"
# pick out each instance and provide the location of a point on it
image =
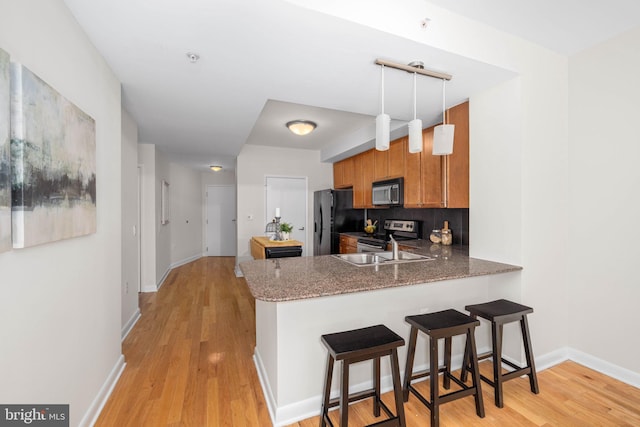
(185, 261)
(91, 416)
(130, 323)
(162, 279)
(264, 383)
(149, 288)
(614, 371)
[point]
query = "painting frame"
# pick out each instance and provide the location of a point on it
(53, 163)
(5, 152)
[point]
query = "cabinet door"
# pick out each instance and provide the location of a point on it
(343, 173)
(456, 165)
(348, 244)
(381, 165)
(413, 180)
(396, 158)
(367, 160)
(358, 182)
(390, 163)
(431, 172)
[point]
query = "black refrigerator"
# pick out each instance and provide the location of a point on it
(333, 214)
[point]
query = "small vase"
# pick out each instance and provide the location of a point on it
(285, 235)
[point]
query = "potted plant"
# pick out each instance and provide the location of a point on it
(285, 230)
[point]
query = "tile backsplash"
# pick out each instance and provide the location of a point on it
(430, 218)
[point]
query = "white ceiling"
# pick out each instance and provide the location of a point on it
(265, 62)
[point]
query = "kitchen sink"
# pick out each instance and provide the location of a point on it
(365, 258)
(377, 258)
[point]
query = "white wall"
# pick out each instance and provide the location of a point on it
(60, 302)
(163, 232)
(130, 226)
(186, 214)
(149, 214)
(604, 203)
(254, 163)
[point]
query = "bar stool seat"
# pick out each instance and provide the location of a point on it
(499, 313)
(354, 346)
(443, 324)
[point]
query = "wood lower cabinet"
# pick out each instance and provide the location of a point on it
(348, 244)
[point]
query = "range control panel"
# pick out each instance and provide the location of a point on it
(408, 226)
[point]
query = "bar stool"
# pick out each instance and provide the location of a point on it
(498, 313)
(355, 346)
(443, 324)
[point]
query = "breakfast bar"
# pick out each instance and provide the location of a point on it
(299, 299)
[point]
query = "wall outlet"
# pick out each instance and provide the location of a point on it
(250, 217)
(126, 287)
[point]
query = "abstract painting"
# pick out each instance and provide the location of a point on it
(53, 164)
(5, 154)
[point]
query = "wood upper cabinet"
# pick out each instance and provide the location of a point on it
(440, 181)
(456, 165)
(390, 163)
(343, 173)
(431, 177)
(423, 176)
(363, 177)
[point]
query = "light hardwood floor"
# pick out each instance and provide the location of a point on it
(189, 363)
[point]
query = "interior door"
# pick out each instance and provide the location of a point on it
(221, 220)
(289, 194)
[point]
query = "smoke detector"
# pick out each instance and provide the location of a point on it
(193, 57)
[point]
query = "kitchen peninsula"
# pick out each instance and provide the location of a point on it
(299, 299)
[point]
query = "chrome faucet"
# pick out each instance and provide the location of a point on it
(394, 248)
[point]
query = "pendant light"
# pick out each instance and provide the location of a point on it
(383, 121)
(415, 126)
(443, 134)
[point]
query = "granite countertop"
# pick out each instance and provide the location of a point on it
(289, 279)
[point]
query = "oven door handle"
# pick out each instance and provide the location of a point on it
(368, 246)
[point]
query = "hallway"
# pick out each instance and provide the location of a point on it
(189, 357)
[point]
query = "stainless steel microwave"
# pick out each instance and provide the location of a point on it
(389, 192)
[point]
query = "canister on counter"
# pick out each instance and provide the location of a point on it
(446, 236)
(435, 236)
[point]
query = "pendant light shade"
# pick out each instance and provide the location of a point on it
(415, 126)
(383, 121)
(383, 124)
(415, 136)
(443, 140)
(443, 134)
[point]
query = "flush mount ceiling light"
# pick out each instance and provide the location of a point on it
(301, 127)
(415, 125)
(215, 168)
